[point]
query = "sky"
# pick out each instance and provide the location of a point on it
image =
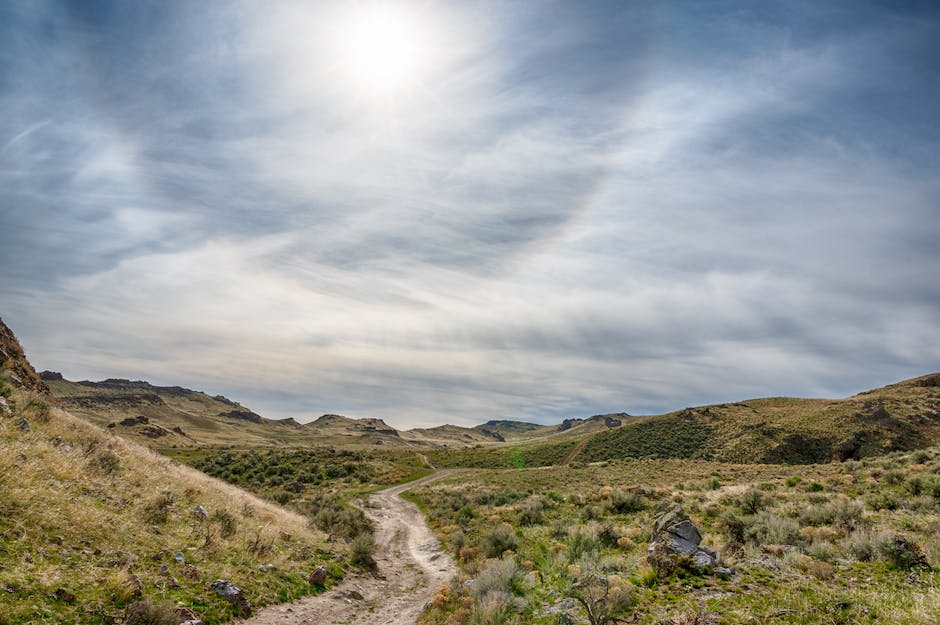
(432, 211)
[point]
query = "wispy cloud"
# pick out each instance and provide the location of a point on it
(579, 209)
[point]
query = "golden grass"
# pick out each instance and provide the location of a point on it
(86, 511)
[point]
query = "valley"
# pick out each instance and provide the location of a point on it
(128, 503)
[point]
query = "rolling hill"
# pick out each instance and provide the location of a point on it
(899, 417)
(173, 416)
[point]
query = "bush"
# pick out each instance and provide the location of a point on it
(226, 522)
(627, 502)
(360, 551)
(157, 511)
(752, 501)
(735, 528)
(882, 501)
(145, 612)
(499, 539)
(582, 542)
(530, 512)
(770, 529)
(107, 463)
(814, 487)
(902, 553)
(502, 576)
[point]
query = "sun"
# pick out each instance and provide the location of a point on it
(381, 50)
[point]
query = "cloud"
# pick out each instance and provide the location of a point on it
(579, 211)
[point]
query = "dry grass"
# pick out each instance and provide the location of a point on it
(91, 513)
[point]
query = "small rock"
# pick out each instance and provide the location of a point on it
(191, 572)
(62, 594)
(233, 594)
(136, 586)
(185, 616)
(23, 424)
(264, 568)
(355, 595)
(318, 577)
(164, 569)
(5, 409)
(179, 557)
(200, 513)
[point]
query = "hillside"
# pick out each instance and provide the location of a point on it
(94, 528)
(899, 417)
(518, 431)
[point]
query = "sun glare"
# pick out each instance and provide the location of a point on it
(381, 50)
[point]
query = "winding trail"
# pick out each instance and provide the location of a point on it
(411, 566)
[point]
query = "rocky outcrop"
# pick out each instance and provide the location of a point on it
(13, 361)
(243, 415)
(676, 544)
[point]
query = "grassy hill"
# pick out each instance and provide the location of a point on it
(94, 527)
(899, 417)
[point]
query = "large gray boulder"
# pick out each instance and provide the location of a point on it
(676, 544)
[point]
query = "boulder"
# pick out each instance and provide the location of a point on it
(676, 543)
(185, 616)
(200, 513)
(318, 577)
(5, 409)
(233, 594)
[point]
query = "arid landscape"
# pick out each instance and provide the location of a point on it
(104, 522)
(470, 312)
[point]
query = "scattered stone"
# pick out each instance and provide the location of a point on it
(136, 586)
(200, 513)
(5, 409)
(318, 577)
(676, 543)
(185, 616)
(180, 557)
(191, 572)
(353, 595)
(23, 424)
(233, 594)
(132, 421)
(62, 594)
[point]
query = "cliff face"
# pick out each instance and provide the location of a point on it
(13, 361)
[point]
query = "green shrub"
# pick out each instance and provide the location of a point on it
(106, 462)
(581, 542)
(502, 576)
(902, 553)
(752, 501)
(623, 502)
(360, 551)
(499, 539)
(770, 529)
(226, 522)
(814, 487)
(793, 480)
(157, 511)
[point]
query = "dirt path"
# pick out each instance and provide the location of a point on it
(411, 566)
(574, 452)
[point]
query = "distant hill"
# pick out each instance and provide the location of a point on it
(514, 431)
(173, 416)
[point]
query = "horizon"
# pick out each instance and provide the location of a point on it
(450, 212)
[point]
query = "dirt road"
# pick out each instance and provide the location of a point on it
(411, 566)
